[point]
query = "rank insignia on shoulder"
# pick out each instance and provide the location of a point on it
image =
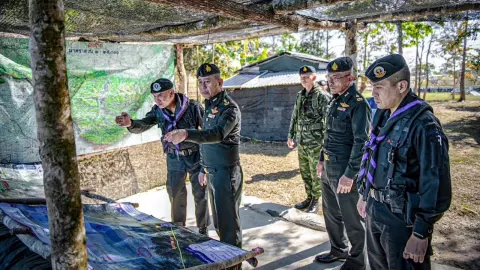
(215, 110)
(344, 105)
(341, 109)
(226, 102)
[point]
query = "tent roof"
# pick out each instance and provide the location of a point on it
(279, 69)
(206, 21)
(285, 61)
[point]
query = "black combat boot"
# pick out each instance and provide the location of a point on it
(313, 207)
(304, 204)
(203, 230)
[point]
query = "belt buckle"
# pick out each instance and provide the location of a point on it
(206, 171)
(391, 156)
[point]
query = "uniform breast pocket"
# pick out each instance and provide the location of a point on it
(339, 125)
(383, 151)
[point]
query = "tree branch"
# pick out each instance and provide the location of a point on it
(412, 15)
(234, 36)
(284, 6)
(230, 9)
(196, 28)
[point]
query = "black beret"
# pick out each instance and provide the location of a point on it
(385, 67)
(307, 69)
(340, 64)
(207, 69)
(161, 85)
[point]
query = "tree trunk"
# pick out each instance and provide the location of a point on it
(198, 65)
(399, 37)
(213, 53)
(464, 59)
(420, 58)
(351, 44)
(454, 78)
(182, 74)
(427, 67)
(365, 45)
(56, 135)
(416, 67)
(328, 38)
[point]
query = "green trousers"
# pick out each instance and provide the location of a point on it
(308, 157)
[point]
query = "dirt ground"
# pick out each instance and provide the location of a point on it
(271, 173)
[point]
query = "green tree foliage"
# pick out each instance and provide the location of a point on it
(415, 34)
(233, 55)
(453, 40)
(230, 56)
(473, 64)
(375, 37)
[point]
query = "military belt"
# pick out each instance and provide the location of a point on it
(378, 195)
(183, 152)
(334, 158)
(310, 126)
(210, 169)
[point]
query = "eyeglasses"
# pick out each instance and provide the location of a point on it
(336, 78)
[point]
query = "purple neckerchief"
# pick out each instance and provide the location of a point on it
(372, 145)
(172, 121)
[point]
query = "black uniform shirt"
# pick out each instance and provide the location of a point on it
(422, 161)
(348, 122)
(192, 118)
(220, 136)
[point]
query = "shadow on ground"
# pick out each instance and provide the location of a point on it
(466, 257)
(273, 176)
(465, 108)
(273, 149)
(464, 128)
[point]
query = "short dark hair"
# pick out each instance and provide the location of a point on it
(401, 75)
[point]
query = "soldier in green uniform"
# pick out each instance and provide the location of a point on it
(405, 172)
(348, 120)
(307, 129)
(219, 140)
(173, 111)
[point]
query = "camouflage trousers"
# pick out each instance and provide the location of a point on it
(308, 157)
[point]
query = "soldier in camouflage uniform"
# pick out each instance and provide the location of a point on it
(307, 129)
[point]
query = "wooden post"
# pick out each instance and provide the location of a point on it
(464, 59)
(196, 83)
(55, 133)
(182, 74)
(399, 37)
(351, 44)
(213, 53)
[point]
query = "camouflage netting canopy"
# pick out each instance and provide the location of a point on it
(203, 21)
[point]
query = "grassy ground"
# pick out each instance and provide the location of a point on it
(271, 173)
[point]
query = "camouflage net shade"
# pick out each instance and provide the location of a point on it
(201, 21)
